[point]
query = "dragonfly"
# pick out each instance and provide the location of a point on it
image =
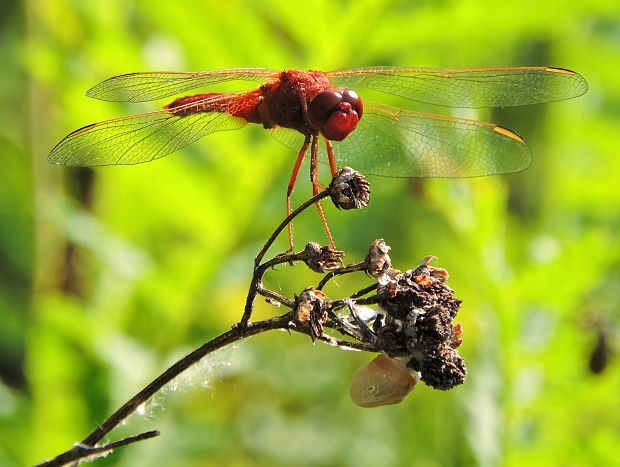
(304, 108)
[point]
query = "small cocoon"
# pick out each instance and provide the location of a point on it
(382, 381)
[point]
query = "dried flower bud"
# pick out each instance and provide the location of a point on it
(419, 324)
(321, 259)
(311, 309)
(382, 381)
(400, 296)
(378, 262)
(417, 291)
(349, 189)
(443, 368)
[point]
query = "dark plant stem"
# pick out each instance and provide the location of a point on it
(365, 290)
(220, 341)
(274, 296)
(339, 271)
(287, 221)
(259, 269)
(81, 452)
(234, 335)
(87, 447)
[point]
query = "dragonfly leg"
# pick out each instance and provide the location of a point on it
(314, 175)
(291, 187)
(330, 156)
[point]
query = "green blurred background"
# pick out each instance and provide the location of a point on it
(108, 276)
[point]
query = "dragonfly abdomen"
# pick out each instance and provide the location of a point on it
(239, 105)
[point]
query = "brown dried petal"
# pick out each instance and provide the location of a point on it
(438, 273)
(424, 269)
(424, 281)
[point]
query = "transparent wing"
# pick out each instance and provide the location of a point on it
(149, 86)
(140, 138)
(398, 143)
(490, 87)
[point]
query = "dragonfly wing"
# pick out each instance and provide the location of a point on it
(490, 87)
(292, 139)
(399, 143)
(149, 86)
(141, 138)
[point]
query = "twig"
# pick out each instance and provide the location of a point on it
(270, 294)
(365, 290)
(362, 346)
(81, 452)
(259, 269)
(87, 447)
(366, 332)
(339, 271)
(286, 221)
(235, 334)
(358, 301)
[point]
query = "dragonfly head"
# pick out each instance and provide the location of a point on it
(335, 113)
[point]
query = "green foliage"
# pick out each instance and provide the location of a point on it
(160, 254)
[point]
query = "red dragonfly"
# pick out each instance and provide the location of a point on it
(302, 107)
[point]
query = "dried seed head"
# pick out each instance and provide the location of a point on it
(382, 381)
(349, 189)
(322, 258)
(306, 302)
(311, 310)
(400, 296)
(419, 324)
(443, 368)
(378, 262)
(418, 291)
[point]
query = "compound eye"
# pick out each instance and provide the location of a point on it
(350, 96)
(322, 106)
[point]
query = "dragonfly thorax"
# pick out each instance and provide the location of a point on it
(306, 101)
